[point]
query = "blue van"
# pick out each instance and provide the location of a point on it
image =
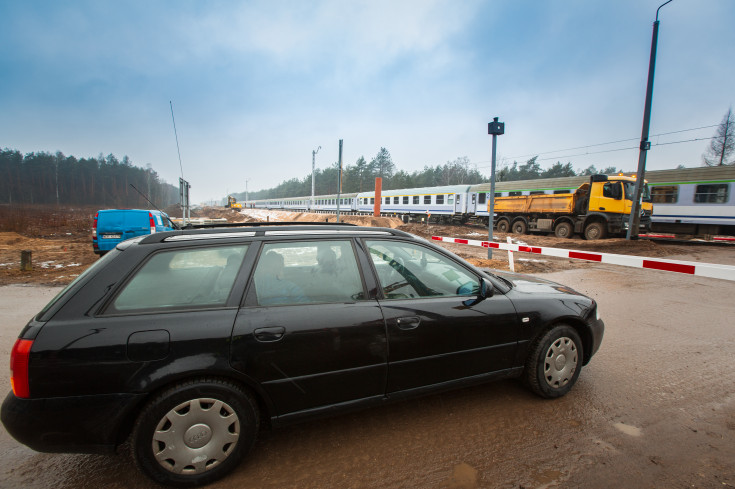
(111, 226)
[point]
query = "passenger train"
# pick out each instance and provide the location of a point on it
(696, 201)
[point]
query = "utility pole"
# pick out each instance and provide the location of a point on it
(496, 129)
(57, 180)
(635, 210)
(313, 170)
(339, 182)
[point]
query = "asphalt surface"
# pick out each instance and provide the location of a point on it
(654, 409)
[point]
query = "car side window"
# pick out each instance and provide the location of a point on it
(407, 270)
(307, 272)
(182, 279)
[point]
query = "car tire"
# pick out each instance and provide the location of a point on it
(503, 226)
(595, 230)
(554, 362)
(195, 432)
(564, 230)
(519, 227)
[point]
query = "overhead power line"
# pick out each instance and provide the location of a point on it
(608, 150)
(612, 142)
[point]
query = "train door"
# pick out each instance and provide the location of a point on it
(472, 203)
(458, 203)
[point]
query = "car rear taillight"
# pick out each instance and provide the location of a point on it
(152, 223)
(94, 231)
(19, 368)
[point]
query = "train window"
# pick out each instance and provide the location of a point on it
(515, 194)
(481, 198)
(440, 199)
(562, 192)
(415, 200)
(387, 200)
(536, 192)
(427, 199)
(395, 200)
(711, 193)
(498, 194)
(372, 200)
(405, 200)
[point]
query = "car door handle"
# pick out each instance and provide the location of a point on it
(407, 323)
(269, 334)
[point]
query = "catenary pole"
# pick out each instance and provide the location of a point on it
(313, 170)
(635, 211)
(339, 183)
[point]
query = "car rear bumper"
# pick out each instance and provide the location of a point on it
(82, 424)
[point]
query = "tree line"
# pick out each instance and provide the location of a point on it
(360, 176)
(45, 178)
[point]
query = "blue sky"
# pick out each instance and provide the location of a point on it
(256, 86)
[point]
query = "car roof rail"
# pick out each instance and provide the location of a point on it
(259, 223)
(291, 229)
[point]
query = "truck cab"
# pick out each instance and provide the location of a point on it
(611, 198)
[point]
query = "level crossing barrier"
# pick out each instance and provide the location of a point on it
(712, 270)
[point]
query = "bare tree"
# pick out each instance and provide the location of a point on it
(722, 146)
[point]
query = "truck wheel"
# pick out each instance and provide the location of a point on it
(194, 432)
(595, 230)
(564, 230)
(554, 362)
(519, 227)
(503, 226)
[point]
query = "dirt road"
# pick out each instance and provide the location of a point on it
(654, 409)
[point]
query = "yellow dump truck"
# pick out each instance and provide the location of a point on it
(232, 203)
(596, 209)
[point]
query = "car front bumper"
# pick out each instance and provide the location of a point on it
(597, 329)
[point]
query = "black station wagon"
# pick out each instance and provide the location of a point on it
(185, 342)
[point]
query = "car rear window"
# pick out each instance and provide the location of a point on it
(181, 279)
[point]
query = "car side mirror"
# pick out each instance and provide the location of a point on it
(484, 291)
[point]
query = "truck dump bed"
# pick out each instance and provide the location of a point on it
(542, 203)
